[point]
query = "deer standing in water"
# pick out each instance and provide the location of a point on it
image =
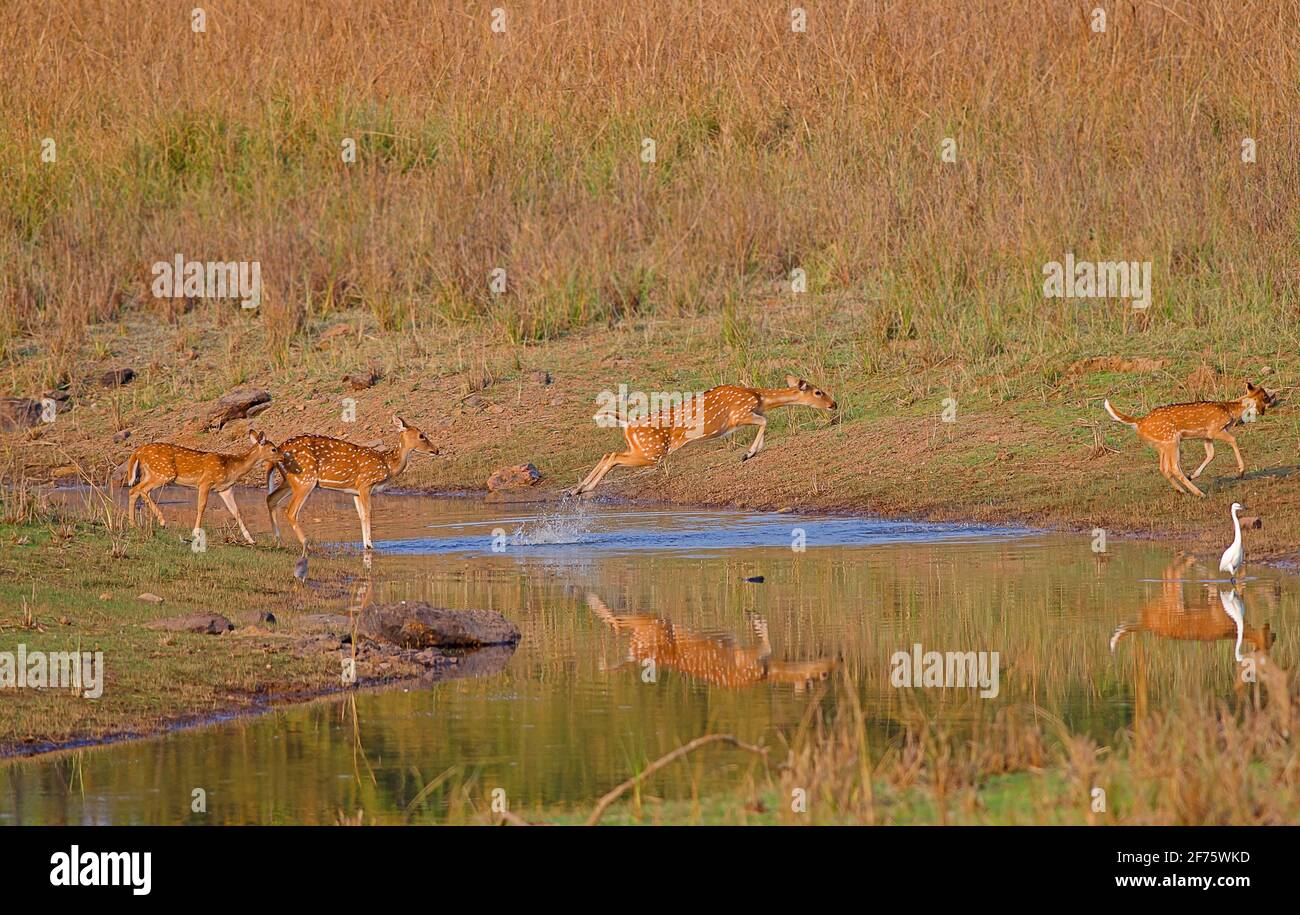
(331, 463)
(719, 412)
(158, 464)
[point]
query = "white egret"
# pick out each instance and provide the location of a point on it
(1233, 555)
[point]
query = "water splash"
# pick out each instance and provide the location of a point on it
(570, 522)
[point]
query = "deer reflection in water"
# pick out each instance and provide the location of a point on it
(717, 659)
(1170, 616)
(1219, 615)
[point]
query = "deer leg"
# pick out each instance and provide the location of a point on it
(362, 501)
(586, 481)
(146, 487)
(229, 498)
(1165, 465)
(761, 422)
(295, 505)
(623, 459)
(1178, 472)
(1209, 456)
(132, 501)
(1224, 435)
(273, 500)
(204, 488)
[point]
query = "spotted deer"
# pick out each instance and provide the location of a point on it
(154, 465)
(331, 463)
(1164, 428)
(722, 411)
(716, 659)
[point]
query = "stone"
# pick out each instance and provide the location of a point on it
(418, 625)
(18, 413)
(241, 404)
(516, 477)
(201, 623)
(362, 380)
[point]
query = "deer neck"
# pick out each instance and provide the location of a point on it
(771, 398)
(397, 459)
(237, 465)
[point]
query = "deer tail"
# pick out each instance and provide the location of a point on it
(1121, 417)
(132, 470)
(270, 476)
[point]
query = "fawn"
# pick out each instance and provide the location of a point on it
(318, 460)
(158, 464)
(1164, 428)
(723, 410)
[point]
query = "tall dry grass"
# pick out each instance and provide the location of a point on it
(775, 149)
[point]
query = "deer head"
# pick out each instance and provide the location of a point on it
(413, 439)
(809, 395)
(264, 449)
(1255, 401)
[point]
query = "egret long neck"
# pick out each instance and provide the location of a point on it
(1236, 527)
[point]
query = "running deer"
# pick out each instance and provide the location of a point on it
(1169, 616)
(714, 659)
(318, 460)
(719, 412)
(1164, 428)
(158, 464)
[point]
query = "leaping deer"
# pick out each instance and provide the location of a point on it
(723, 410)
(158, 464)
(331, 463)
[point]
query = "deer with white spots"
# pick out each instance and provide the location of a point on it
(719, 412)
(1164, 429)
(331, 463)
(157, 464)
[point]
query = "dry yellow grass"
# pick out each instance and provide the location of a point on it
(775, 149)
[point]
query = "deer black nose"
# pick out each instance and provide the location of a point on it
(834, 405)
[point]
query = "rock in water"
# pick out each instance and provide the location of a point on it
(415, 624)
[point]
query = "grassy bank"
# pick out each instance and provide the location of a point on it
(72, 586)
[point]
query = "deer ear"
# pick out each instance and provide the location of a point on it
(254, 437)
(397, 421)
(803, 385)
(791, 381)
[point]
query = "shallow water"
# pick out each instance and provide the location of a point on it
(640, 632)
